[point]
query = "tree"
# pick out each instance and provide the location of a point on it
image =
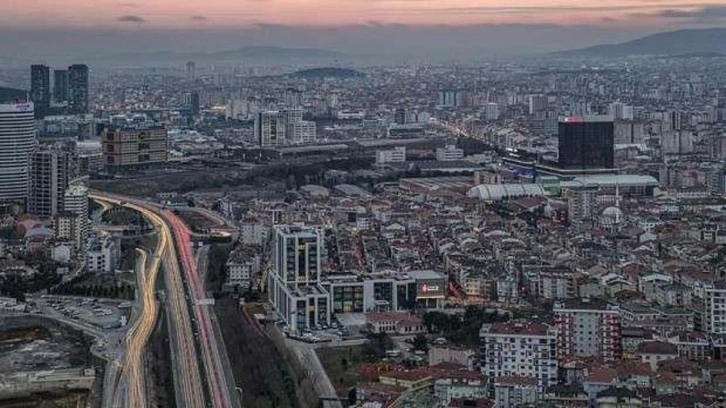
(420, 343)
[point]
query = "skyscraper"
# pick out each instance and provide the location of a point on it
(40, 89)
(271, 128)
(49, 176)
(586, 143)
(78, 88)
(17, 140)
(60, 85)
(191, 70)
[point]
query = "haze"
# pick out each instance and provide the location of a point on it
(59, 28)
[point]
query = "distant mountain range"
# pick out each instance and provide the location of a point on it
(261, 53)
(706, 42)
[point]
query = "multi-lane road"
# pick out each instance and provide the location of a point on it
(189, 385)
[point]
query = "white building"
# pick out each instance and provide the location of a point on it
(302, 131)
(242, 266)
(294, 282)
(17, 140)
(588, 328)
(76, 202)
(449, 153)
(715, 308)
(519, 348)
(395, 155)
(620, 111)
(254, 233)
(102, 255)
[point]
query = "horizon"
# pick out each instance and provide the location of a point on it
(388, 28)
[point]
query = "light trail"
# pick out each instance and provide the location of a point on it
(186, 366)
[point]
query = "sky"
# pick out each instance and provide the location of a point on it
(92, 26)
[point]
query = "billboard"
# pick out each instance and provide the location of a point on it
(430, 288)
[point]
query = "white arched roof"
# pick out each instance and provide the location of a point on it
(496, 192)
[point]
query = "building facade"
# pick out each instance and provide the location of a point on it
(271, 128)
(294, 282)
(78, 88)
(76, 202)
(588, 328)
(715, 308)
(40, 89)
(50, 169)
(17, 141)
(586, 143)
(126, 148)
(519, 348)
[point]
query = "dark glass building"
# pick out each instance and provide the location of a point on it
(586, 143)
(78, 88)
(60, 85)
(40, 89)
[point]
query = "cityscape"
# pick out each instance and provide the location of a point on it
(289, 226)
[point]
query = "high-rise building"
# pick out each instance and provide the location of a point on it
(301, 132)
(588, 328)
(50, 168)
(586, 143)
(581, 204)
(17, 141)
(676, 142)
(294, 283)
(620, 111)
(452, 99)
(537, 104)
(76, 202)
(191, 70)
(519, 348)
(271, 128)
(129, 148)
(399, 117)
(293, 97)
(60, 85)
(40, 89)
(491, 111)
(78, 88)
(191, 102)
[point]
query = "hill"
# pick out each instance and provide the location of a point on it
(682, 42)
(327, 72)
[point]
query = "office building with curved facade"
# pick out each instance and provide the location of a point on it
(17, 141)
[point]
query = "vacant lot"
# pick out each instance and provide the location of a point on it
(266, 375)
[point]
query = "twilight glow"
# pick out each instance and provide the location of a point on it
(235, 13)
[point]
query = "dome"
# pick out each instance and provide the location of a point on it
(612, 215)
(612, 212)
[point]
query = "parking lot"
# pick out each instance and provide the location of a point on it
(102, 313)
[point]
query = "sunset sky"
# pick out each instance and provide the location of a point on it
(53, 30)
(235, 13)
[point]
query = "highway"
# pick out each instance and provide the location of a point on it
(208, 341)
(138, 336)
(187, 375)
(189, 346)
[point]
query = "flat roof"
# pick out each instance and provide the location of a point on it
(611, 180)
